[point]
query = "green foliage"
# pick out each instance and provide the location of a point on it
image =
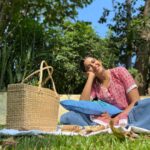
(136, 75)
(121, 35)
(53, 12)
(24, 39)
(76, 40)
(141, 31)
(40, 30)
(21, 49)
(130, 36)
(134, 72)
(62, 47)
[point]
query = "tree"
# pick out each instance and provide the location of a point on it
(141, 30)
(53, 12)
(74, 42)
(130, 35)
(121, 37)
(19, 43)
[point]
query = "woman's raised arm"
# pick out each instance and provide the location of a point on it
(85, 95)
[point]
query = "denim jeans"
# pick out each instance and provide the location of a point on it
(76, 118)
(139, 116)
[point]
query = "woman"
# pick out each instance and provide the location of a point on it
(115, 86)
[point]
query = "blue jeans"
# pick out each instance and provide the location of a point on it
(139, 116)
(75, 118)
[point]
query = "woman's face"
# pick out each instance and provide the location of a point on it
(93, 65)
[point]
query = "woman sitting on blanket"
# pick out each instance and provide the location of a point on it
(115, 86)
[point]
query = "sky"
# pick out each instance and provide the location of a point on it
(94, 11)
(92, 14)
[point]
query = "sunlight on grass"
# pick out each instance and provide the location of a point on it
(60, 142)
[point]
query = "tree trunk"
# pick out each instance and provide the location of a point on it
(147, 8)
(143, 55)
(129, 41)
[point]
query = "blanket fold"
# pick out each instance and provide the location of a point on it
(74, 130)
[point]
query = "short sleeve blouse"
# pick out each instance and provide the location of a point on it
(121, 83)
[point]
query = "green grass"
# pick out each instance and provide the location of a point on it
(98, 142)
(61, 142)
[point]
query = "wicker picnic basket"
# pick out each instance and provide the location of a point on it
(33, 107)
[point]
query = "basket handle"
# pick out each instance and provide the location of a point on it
(40, 71)
(49, 75)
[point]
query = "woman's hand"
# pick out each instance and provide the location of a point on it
(106, 116)
(90, 74)
(115, 120)
(120, 119)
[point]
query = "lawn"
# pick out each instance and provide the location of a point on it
(61, 142)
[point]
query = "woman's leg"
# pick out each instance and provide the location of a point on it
(140, 114)
(75, 118)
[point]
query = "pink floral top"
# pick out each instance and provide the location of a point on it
(121, 83)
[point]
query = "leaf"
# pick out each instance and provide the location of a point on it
(118, 133)
(8, 142)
